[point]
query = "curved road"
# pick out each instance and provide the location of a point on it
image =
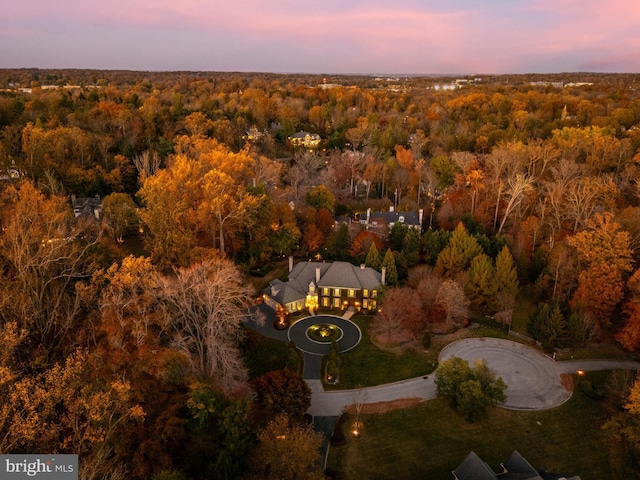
(533, 379)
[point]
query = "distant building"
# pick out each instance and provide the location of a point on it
(374, 220)
(514, 468)
(336, 285)
(87, 207)
(305, 139)
(252, 134)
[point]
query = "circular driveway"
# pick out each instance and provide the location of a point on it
(298, 334)
(532, 379)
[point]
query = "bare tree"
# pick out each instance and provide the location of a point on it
(147, 164)
(456, 305)
(206, 304)
(516, 188)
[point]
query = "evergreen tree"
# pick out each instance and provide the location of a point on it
(338, 244)
(373, 257)
(411, 247)
(433, 242)
(481, 286)
(457, 256)
(506, 274)
(396, 236)
(389, 262)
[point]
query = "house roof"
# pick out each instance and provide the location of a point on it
(517, 468)
(473, 468)
(345, 275)
(334, 275)
(283, 292)
(410, 218)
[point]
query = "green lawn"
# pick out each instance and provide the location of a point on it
(430, 440)
(367, 365)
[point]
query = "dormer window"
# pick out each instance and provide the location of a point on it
(401, 219)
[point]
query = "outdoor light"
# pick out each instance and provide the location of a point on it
(356, 429)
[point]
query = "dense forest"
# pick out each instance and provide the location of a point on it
(123, 337)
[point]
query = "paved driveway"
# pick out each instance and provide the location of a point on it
(351, 334)
(533, 379)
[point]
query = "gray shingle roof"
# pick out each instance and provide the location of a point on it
(410, 218)
(345, 275)
(517, 468)
(473, 468)
(336, 275)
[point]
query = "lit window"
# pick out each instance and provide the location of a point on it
(325, 291)
(352, 293)
(336, 292)
(336, 302)
(374, 293)
(365, 293)
(325, 302)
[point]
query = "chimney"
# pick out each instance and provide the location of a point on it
(362, 265)
(384, 274)
(368, 215)
(317, 275)
(391, 209)
(290, 263)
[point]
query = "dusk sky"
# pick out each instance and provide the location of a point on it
(326, 36)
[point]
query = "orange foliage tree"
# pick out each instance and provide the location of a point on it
(605, 257)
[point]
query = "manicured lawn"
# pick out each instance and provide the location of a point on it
(430, 440)
(367, 365)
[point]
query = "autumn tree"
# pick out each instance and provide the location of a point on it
(401, 314)
(45, 252)
(287, 451)
(120, 213)
(451, 297)
(320, 197)
(203, 195)
(629, 334)
(62, 408)
(605, 258)
(205, 305)
(282, 391)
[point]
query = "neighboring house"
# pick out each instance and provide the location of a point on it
(336, 285)
(514, 468)
(305, 139)
(374, 220)
(252, 134)
(91, 206)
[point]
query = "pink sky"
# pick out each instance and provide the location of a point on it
(330, 36)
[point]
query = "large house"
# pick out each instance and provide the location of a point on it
(305, 139)
(337, 285)
(514, 468)
(374, 220)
